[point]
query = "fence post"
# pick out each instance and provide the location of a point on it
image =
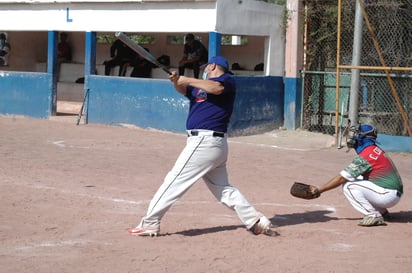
(356, 55)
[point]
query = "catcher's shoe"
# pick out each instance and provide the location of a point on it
(139, 231)
(263, 226)
(372, 220)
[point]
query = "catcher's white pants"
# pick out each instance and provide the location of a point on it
(369, 198)
(204, 156)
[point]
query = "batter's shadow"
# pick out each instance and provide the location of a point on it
(203, 231)
(280, 220)
(318, 216)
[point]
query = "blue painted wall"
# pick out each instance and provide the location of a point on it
(150, 103)
(26, 93)
(395, 143)
(258, 106)
(293, 102)
(142, 102)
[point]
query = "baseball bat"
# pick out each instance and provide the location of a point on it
(82, 108)
(140, 50)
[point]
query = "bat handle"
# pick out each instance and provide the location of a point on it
(166, 70)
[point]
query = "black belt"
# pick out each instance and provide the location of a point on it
(215, 134)
(398, 193)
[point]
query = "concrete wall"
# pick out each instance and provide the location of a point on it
(294, 64)
(141, 102)
(32, 96)
(154, 103)
(236, 17)
(258, 106)
(146, 103)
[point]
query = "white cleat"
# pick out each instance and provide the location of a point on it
(264, 226)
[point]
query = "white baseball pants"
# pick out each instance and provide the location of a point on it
(204, 156)
(368, 198)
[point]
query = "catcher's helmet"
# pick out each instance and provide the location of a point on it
(358, 136)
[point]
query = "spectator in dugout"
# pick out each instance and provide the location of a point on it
(121, 55)
(195, 55)
(64, 50)
(4, 50)
(141, 67)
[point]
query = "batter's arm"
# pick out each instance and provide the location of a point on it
(174, 78)
(212, 87)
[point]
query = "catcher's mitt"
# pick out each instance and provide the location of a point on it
(304, 191)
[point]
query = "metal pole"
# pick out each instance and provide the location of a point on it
(338, 74)
(356, 56)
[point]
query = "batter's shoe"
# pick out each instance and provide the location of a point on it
(372, 220)
(139, 231)
(264, 226)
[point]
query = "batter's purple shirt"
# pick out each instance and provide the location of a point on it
(208, 111)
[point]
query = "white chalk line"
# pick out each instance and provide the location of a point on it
(61, 144)
(31, 248)
(44, 187)
(63, 243)
(340, 247)
(144, 202)
(79, 242)
(271, 146)
(299, 205)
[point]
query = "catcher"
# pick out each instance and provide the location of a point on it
(371, 182)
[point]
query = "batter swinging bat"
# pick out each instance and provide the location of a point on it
(140, 50)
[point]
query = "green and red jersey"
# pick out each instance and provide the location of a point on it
(374, 165)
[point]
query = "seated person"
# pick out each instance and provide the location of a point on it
(64, 50)
(4, 50)
(194, 55)
(142, 68)
(121, 56)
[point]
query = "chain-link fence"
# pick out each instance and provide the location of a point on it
(384, 98)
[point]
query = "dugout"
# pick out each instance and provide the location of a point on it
(30, 86)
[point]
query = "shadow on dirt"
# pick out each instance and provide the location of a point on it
(301, 218)
(399, 217)
(280, 220)
(202, 231)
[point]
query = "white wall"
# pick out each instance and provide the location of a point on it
(255, 18)
(147, 16)
(259, 20)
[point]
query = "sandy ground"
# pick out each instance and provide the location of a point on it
(69, 193)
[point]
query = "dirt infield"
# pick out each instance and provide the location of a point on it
(69, 193)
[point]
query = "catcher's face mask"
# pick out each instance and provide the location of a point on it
(358, 136)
